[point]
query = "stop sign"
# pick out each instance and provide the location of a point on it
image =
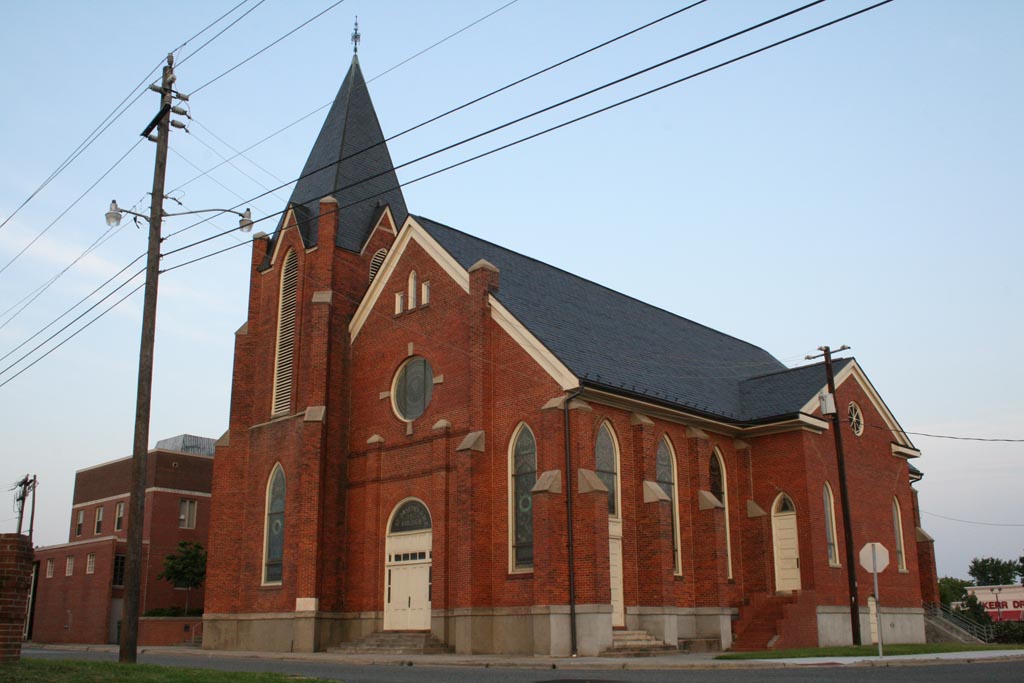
(881, 557)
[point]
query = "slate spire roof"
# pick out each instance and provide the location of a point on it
(349, 161)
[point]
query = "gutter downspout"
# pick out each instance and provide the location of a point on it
(569, 528)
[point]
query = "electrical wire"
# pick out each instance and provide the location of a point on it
(265, 48)
(219, 33)
(559, 104)
(577, 119)
(450, 111)
(947, 436)
(967, 521)
(72, 205)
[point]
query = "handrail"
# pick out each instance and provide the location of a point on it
(197, 632)
(983, 632)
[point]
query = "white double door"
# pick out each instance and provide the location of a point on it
(407, 582)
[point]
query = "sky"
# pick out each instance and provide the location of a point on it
(859, 186)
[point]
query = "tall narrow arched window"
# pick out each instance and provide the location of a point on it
(897, 525)
(719, 484)
(665, 472)
(273, 534)
(607, 457)
(284, 358)
(830, 526)
(414, 285)
(376, 261)
(522, 477)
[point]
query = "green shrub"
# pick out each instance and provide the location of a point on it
(1009, 631)
(174, 612)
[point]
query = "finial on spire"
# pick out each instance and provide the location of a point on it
(356, 37)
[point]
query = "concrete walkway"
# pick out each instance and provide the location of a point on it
(671, 661)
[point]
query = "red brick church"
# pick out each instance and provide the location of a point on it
(430, 432)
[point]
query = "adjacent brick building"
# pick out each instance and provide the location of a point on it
(431, 432)
(80, 584)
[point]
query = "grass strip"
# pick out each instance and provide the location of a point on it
(70, 671)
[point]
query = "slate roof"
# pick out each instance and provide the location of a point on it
(613, 341)
(365, 175)
(188, 443)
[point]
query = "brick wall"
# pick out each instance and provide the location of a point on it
(15, 583)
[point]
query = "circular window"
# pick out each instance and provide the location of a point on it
(856, 419)
(414, 383)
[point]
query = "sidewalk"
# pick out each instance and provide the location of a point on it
(666, 662)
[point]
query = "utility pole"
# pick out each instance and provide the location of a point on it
(844, 498)
(137, 503)
(23, 487)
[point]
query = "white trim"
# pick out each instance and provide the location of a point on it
(853, 369)
(831, 525)
(411, 230)
(197, 494)
(904, 452)
(103, 464)
(377, 226)
(289, 214)
(73, 544)
(897, 526)
(533, 346)
(512, 569)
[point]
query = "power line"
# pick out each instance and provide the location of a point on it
(219, 33)
(265, 48)
(948, 436)
(439, 116)
(967, 521)
(72, 205)
(571, 121)
(74, 334)
(554, 106)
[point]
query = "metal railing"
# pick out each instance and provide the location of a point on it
(983, 632)
(196, 637)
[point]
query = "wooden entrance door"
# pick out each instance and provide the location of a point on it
(786, 543)
(408, 572)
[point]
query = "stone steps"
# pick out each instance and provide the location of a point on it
(758, 627)
(636, 644)
(394, 642)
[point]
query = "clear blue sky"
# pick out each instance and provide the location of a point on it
(857, 186)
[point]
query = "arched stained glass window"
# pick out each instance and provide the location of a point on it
(719, 484)
(524, 476)
(665, 472)
(412, 516)
(607, 467)
(414, 285)
(715, 476)
(274, 532)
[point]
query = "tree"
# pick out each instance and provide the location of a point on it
(185, 568)
(953, 590)
(991, 571)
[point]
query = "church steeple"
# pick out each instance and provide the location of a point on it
(356, 167)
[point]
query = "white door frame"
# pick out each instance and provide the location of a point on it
(615, 565)
(785, 545)
(408, 575)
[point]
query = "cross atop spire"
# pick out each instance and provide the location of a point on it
(356, 37)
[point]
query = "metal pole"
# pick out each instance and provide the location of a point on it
(133, 564)
(878, 603)
(32, 517)
(569, 526)
(851, 567)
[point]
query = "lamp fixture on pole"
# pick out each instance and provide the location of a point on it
(116, 213)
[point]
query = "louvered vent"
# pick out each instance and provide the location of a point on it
(286, 334)
(375, 262)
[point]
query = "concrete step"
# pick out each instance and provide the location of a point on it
(397, 642)
(696, 645)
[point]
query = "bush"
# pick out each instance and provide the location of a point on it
(174, 612)
(1009, 631)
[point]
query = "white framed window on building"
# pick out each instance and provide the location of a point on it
(79, 522)
(118, 516)
(90, 563)
(49, 568)
(99, 520)
(69, 565)
(187, 514)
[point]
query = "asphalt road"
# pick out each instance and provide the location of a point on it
(334, 671)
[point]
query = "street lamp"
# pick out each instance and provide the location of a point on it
(999, 606)
(116, 213)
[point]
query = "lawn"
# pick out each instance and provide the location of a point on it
(868, 650)
(67, 671)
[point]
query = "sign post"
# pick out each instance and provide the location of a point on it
(875, 558)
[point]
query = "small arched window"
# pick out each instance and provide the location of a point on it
(897, 524)
(273, 554)
(283, 362)
(414, 285)
(376, 261)
(606, 455)
(665, 473)
(719, 484)
(830, 525)
(523, 476)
